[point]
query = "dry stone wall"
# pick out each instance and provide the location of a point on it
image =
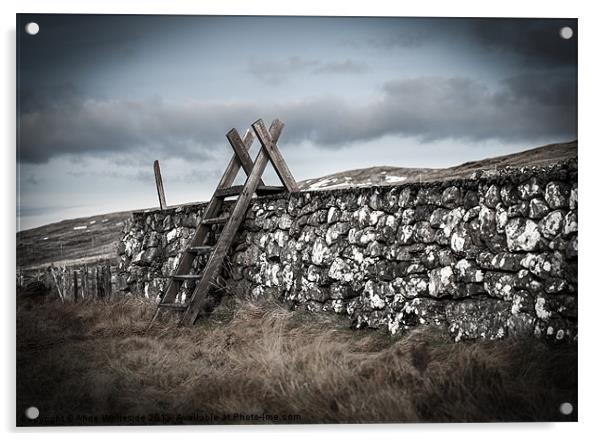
(490, 256)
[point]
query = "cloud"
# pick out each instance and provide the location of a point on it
(535, 41)
(342, 67)
(521, 108)
(276, 72)
(409, 39)
(91, 126)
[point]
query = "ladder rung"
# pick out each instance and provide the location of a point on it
(176, 306)
(187, 277)
(235, 190)
(214, 220)
(203, 249)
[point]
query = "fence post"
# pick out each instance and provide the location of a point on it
(159, 182)
(74, 286)
(56, 283)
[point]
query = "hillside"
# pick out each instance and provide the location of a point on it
(83, 239)
(365, 177)
(96, 237)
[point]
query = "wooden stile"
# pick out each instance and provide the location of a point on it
(212, 216)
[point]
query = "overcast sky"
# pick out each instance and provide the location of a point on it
(101, 97)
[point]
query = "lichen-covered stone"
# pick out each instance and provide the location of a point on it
(518, 210)
(451, 197)
(501, 218)
(522, 235)
(538, 208)
(472, 213)
(467, 271)
(500, 285)
(471, 199)
(340, 270)
(509, 195)
(570, 223)
(557, 330)
(340, 291)
(285, 222)
(522, 302)
(452, 220)
(321, 254)
(424, 233)
(461, 241)
(530, 189)
(415, 312)
(336, 231)
(415, 286)
(546, 265)
(442, 282)
(501, 261)
(471, 319)
(574, 198)
(487, 225)
(551, 225)
(557, 195)
(492, 196)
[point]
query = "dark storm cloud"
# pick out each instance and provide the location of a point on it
(549, 88)
(524, 107)
(89, 127)
(435, 108)
(38, 98)
(60, 116)
(536, 41)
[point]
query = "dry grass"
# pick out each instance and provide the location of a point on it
(94, 359)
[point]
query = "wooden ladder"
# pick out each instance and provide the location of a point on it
(213, 215)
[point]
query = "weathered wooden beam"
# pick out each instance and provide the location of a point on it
(56, 283)
(75, 288)
(108, 285)
(241, 151)
(269, 144)
(159, 183)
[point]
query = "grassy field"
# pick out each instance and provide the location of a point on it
(84, 239)
(93, 363)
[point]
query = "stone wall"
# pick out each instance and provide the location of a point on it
(490, 256)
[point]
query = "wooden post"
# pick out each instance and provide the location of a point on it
(84, 284)
(56, 283)
(108, 285)
(74, 286)
(159, 182)
(99, 283)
